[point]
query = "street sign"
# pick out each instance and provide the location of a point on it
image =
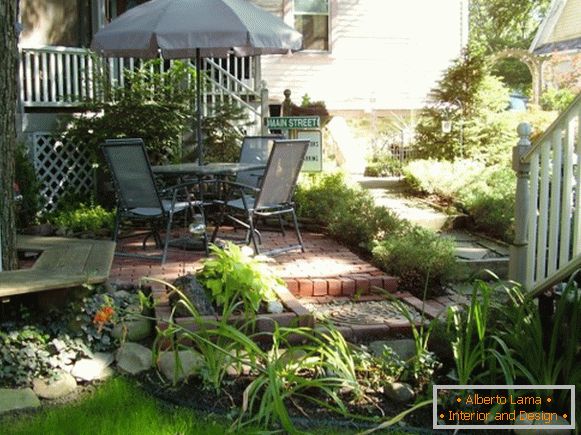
(314, 157)
(293, 122)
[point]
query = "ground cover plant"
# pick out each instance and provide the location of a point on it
(37, 343)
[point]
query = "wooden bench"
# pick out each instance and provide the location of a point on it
(63, 263)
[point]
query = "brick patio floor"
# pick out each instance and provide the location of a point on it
(325, 268)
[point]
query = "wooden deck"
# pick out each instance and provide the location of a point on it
(62, 263)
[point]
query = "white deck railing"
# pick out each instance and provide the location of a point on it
(547, 245)
(65, 76)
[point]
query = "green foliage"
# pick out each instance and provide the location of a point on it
(29, 351)
(474, 101)
(348, 212)
(557, 99)
(153, 105)
(223, 132)
(82, 218)
(232, 276)
(383, 166)
(29, 186)
(419, 257)
(487, 194)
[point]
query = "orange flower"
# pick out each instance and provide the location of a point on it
(103, 316)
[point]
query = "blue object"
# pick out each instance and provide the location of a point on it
(517, 103)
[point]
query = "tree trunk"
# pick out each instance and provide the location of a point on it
(8, 77)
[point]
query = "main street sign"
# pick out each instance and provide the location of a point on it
(293, 122)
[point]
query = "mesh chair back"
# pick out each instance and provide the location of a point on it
(255, 149)
(281, 174)
(131, 173)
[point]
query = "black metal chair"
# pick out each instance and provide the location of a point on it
(255, 149)
(138, 197)
(272, 198)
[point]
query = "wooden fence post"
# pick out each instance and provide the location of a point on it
(518, 250)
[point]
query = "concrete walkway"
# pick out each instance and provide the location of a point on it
(476, 252)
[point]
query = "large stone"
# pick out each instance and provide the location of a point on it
(62, 385)
(404, 348)
(133, 358)
(190, 363)
(132, 330)
(11, 400)
(399, 392)
(274, 307)
(90, 369)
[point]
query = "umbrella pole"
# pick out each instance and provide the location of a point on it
(199, 107)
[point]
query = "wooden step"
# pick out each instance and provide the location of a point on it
(63, 263)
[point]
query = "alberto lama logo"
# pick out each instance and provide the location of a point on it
(477, 399)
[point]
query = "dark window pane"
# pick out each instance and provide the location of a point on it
(315, 30)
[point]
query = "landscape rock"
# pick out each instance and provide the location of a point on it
(62, 385)
(404, 348)
(11, 400)
(274, 307)
(133, 358)
(90, 369)
(399, 392)
(132, 330)
(191, 363)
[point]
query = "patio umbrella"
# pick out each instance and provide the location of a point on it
(183, 29)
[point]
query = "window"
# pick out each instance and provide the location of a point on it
(312, 20)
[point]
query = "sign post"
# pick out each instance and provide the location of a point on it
(303, 127)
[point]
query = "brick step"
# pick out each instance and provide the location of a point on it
(345, 285)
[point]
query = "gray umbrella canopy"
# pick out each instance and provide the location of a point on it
(176, 28)
(184, 29)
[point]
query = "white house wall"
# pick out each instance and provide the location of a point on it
(385, 54)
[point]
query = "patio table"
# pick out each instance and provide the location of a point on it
(218, 170)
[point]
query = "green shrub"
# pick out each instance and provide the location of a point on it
(487, 194)
(154, 105)
(419, 257)
(557, 99)
(442, 178)
(348, 212)
(82, 218)
(383, 166)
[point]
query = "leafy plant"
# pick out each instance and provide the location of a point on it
(154, 105)
(82, 218)
(223, 130)
(418, 256)
(232, 277)
(557, 99)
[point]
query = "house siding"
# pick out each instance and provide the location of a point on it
(569, 24)
(385, 54)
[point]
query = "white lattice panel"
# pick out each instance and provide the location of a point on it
(61, 167)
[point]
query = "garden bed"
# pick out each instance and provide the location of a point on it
(294, 313)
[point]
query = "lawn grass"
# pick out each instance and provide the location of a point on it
(117, 407)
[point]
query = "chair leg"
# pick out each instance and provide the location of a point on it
(252, 233)
(117, 224)
(280, 222)
(296, 224)
(219, 222)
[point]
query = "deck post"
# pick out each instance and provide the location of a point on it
(264, 110)
(518, 249)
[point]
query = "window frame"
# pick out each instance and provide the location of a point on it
(329, 29)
